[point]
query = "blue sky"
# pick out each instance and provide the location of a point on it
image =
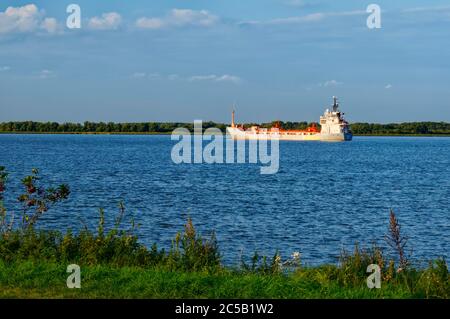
(184, 60)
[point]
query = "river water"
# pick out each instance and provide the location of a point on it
(325, 197)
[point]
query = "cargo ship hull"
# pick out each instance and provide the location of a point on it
(238, 134)
(340, 137)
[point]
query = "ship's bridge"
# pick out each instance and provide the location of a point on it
(332, 121)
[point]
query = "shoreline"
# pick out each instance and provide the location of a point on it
(169, 133)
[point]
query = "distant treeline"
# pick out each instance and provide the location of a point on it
(100, 127)
(433, 128)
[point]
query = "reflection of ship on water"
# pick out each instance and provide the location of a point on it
(333, 128)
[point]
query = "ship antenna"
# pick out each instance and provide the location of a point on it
(232, 116)
(335, 104)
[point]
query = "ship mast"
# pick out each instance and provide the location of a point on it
(232, 119)
(335, 104)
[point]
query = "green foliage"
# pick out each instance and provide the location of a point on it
(191, 253)
(413, 128)
(353, 266)
(434, 282)
(37, 199)
(4, 226)
(261, 264)
(116, 247)
(90, 127)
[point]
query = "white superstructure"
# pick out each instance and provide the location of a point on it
(333, 125)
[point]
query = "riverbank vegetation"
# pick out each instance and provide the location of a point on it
(114, 264)
(414, 128)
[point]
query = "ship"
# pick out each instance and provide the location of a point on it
(333, 127)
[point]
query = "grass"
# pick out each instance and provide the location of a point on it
(48, 280)
(39, 274)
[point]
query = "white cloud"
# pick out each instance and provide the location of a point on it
(389, 86)
(4, 68)
(108, 21)
(26, 19)
(51, 25)
(46, 74)
(214, 78)
(308, 18)
(173, 77)
(144, 75)
(330, 83)
(179, 18)
(183, 17)
(195, 78)
(150, 23)
(427, 9)
(229, 78)
(20, 19)
(202, 77)
(313, 17)
(139, 75)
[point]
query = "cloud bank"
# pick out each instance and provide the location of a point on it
(26, 19)
(330, 83)
(107, 21)
(214, 78)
